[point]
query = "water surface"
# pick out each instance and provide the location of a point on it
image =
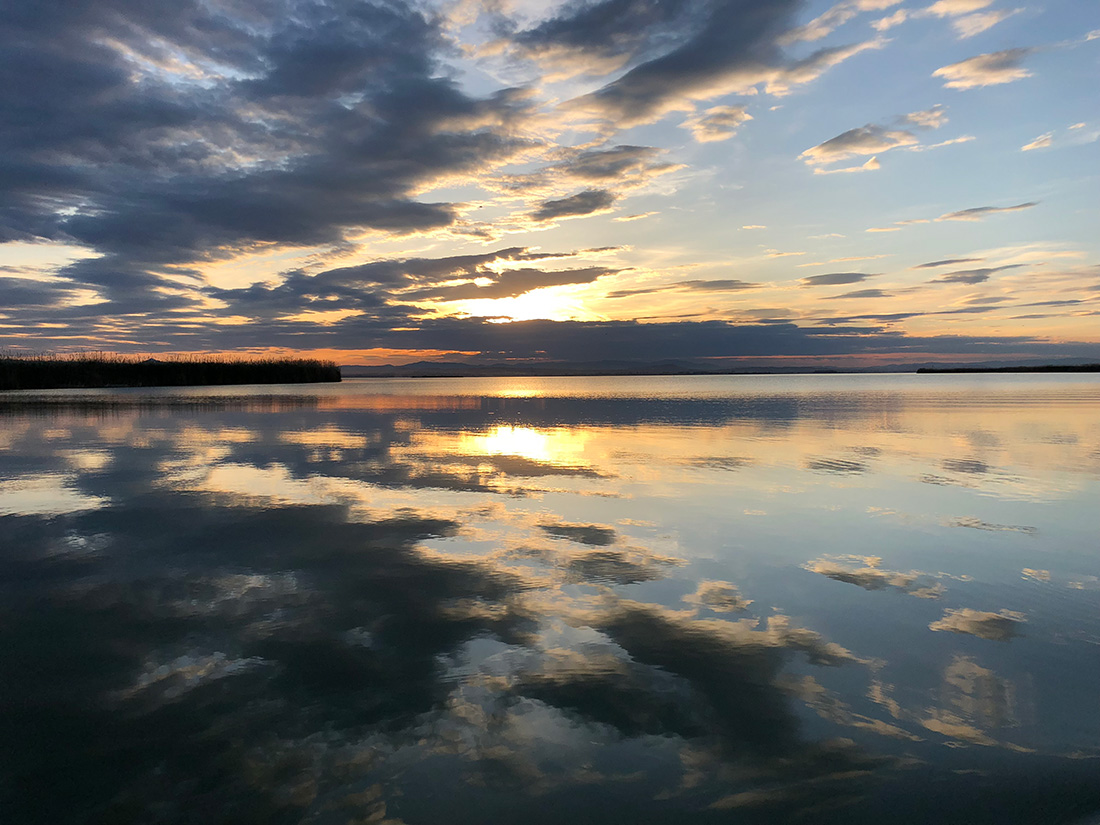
(706, 599)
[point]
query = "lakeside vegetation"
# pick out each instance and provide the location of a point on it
(110, 370)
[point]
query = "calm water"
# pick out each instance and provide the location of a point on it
(715, 599)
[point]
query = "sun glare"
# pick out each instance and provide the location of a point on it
(556, 446)
(541, 304)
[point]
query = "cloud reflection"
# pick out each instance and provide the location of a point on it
(360, 606)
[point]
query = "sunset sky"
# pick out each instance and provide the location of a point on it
(772, 181)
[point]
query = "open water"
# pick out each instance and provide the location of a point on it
(813, 599)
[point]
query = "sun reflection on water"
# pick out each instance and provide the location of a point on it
(552, 446)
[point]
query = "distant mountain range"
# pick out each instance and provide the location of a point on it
(460, 369)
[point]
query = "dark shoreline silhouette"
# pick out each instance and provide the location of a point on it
(457, 369)
(119, 371)
(1043, 368)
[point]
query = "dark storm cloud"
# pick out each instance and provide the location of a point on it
(162, 133)
(972, 276)
(582, 203)
(835, 278)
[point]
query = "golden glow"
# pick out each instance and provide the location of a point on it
(556, 446)
(242, 269)
(323, 318)
(552, 303)
(43, 255)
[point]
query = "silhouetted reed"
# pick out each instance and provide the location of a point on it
(112, 370)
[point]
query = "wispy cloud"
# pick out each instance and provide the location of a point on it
(864, 140)
(977, 213)
(861, 293)
(875, 139)
(985, 70)
(973, 24)
(888, 22)
(946, 262)
(717, 123)
(1041, 142)
(871, 165)
(972, 276)
(953, 8)
(826, 23)
(836, 278)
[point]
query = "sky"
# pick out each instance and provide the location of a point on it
(742, 182)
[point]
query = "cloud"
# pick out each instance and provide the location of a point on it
(985, 70)
(932, 118)
(835, 278)
(947, 262)
(599, 37)
(873, 139)
(997, 627)
(973, 24)
(861, 293)
(871, 165)
(627, 167)
(717, 123)
(754, 226)
(1041, 142)
(375, 288)
(977, 213)
(954, 8)
(723, 47)
(888, 22)
(826, 23)
(179, 133)
(972, 276)
(718, 285)
(588, 202)
(509, 284)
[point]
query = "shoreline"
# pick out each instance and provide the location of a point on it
(119, 372)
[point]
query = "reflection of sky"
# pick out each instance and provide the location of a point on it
(673, 604)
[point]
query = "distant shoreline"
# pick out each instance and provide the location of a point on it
(459, 370)
(99, 372)
(1044, 368)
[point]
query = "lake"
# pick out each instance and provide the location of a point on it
(814, 599)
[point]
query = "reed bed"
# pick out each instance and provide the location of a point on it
(112, 370)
